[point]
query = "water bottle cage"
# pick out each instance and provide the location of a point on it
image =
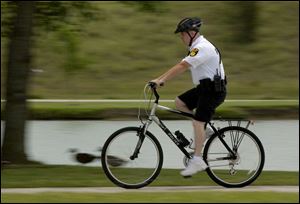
(181, 139)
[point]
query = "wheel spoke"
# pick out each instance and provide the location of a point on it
(235, 171)
(130, 160)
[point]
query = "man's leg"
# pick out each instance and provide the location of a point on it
(199, 136)
(199, 131)
(198, 127)
(196, 163)
(180, 105)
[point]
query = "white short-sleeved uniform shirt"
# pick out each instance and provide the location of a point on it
(204, 60)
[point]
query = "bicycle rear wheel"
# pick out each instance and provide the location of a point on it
(249, 159)
(125, 170)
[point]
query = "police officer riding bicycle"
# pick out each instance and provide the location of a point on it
(205, 63)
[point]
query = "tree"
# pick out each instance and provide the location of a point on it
(18, 65)
(248, 21)
(17, 76)
(50, 16)
(242, 17)
(245, 21)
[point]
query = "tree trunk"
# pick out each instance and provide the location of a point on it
(18, 68)
(248, 17)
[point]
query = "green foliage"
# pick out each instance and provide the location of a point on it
(243, 17)
(8, 11)
(52, 15)
(124, 48)
(70, 49)
(63, 18)
(146, 6)
(66, 20)
(108, 111)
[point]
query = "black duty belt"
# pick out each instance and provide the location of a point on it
(208, 84)
(208, 81)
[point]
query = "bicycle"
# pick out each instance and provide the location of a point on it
(234, 155)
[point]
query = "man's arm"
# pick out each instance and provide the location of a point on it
(171, 73)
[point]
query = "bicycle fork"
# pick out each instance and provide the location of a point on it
(141, 134)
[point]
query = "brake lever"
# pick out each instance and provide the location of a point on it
(154, 85)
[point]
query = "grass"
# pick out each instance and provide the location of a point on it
(30, 176)
(119, 54)
(230, 109)
(154, 197)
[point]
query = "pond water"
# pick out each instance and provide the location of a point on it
(50, 142)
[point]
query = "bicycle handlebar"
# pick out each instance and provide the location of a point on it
(153, 87)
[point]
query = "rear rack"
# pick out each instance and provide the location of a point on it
(239, 121)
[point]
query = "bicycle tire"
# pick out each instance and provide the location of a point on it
(118, 179)
(212, 172)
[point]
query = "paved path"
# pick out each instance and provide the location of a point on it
(294, 189)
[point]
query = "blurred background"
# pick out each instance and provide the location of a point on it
(110, 49)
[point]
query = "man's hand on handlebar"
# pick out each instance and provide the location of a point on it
(156, 83)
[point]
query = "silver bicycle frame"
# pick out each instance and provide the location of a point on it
(152, 117)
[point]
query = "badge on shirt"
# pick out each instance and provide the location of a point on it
(194, 52)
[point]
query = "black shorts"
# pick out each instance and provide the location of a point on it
(205, 102)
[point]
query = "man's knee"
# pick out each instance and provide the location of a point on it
(179, 103)
(197, 123)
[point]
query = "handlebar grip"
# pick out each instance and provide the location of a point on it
(154, 85)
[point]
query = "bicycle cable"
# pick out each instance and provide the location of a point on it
(145, 93)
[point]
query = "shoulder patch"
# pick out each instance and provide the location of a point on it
(194, 52)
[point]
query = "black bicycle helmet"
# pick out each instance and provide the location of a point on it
(190, 23)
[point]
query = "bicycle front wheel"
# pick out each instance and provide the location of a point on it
(124, 168)
(239, 169)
